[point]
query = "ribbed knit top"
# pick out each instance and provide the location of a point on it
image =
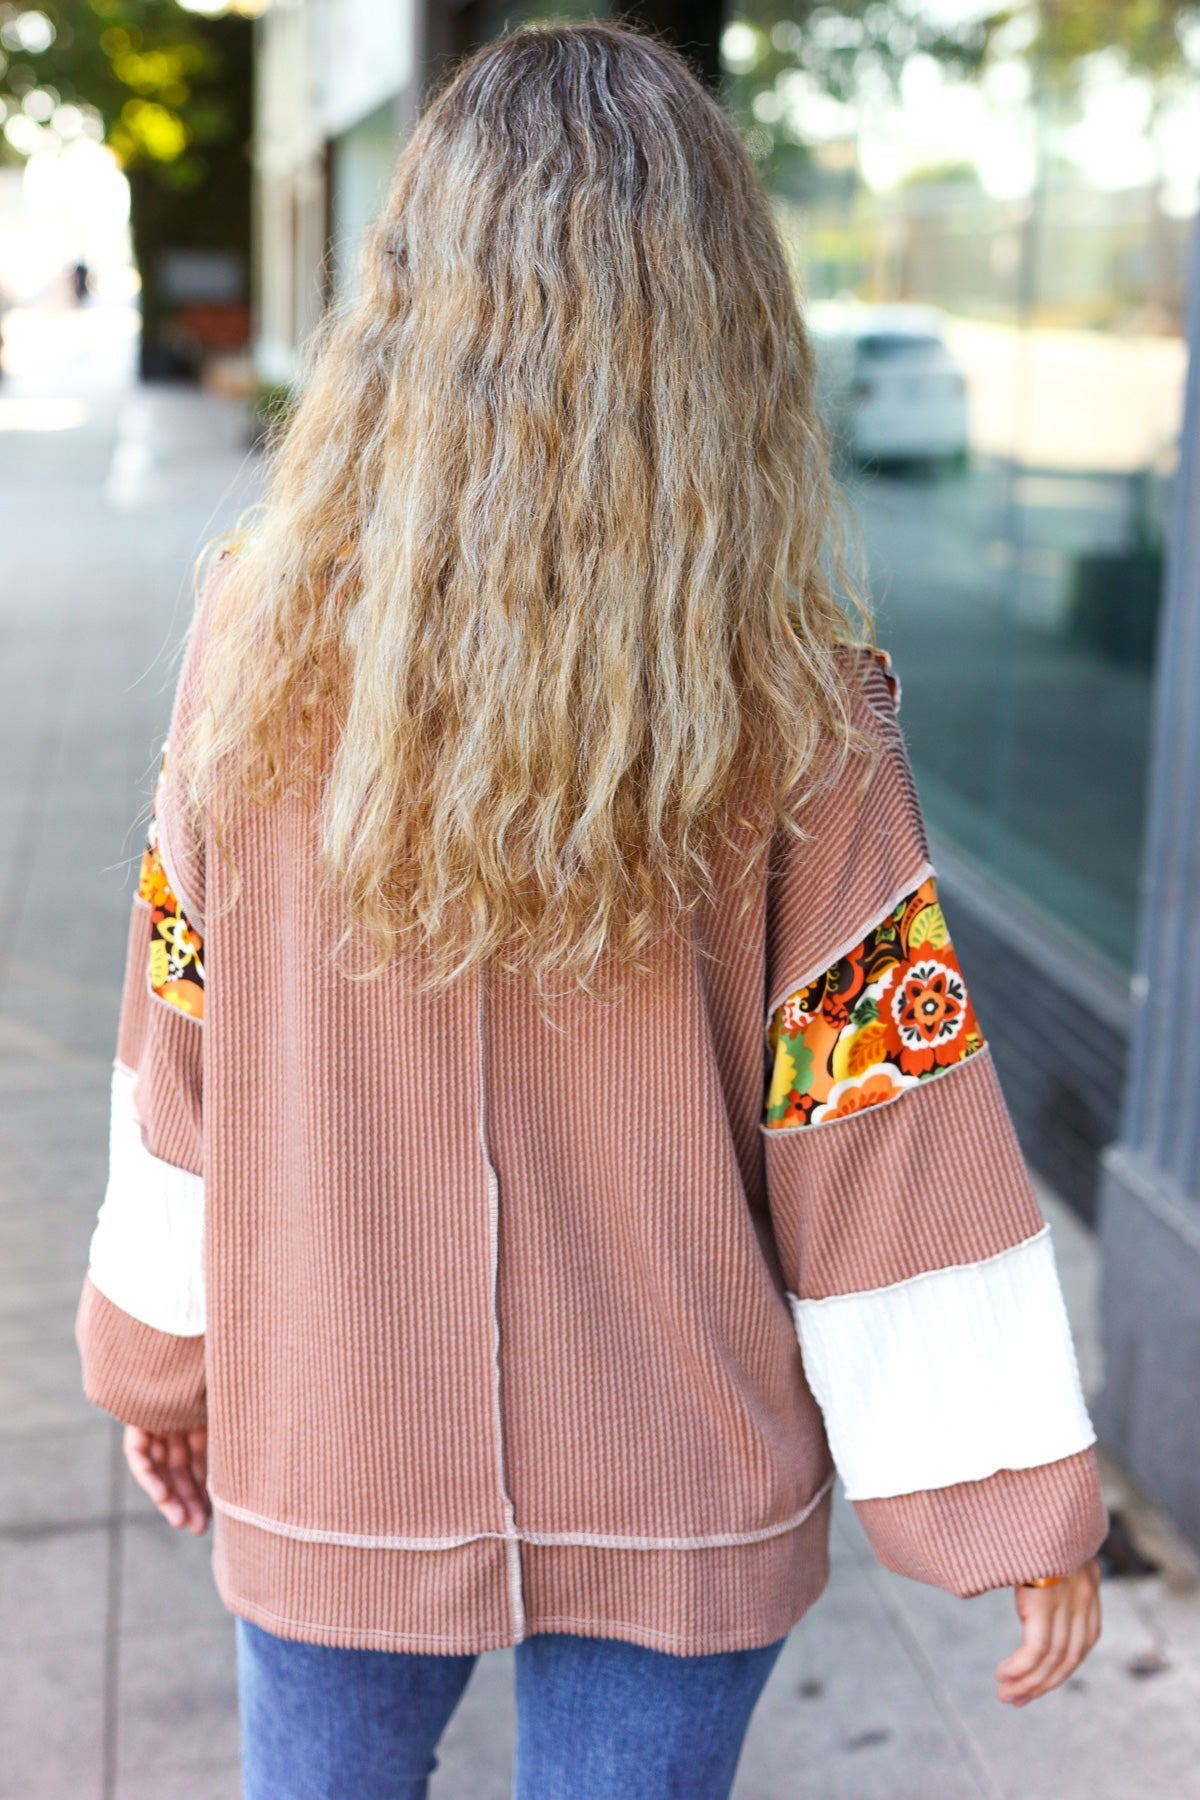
(503, 1323)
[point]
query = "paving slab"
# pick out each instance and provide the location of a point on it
(847, 1714)
(52, 1704)
(56, 1475)
(223, 1782)
(178, 1718)
(54, 1581)
(166, 1573)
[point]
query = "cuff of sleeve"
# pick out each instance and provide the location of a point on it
(148, 1378)
(994, 1533)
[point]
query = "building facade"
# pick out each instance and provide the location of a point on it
(995, 232)
(336, 85)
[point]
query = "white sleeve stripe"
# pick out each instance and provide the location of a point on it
(948, 1376)
(147, 1248)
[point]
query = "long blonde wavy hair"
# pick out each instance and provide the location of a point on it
(537, 584)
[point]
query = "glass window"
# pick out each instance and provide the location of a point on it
(990, 225)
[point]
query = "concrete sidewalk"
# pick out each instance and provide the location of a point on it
(116, 1657)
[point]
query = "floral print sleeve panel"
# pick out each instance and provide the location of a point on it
(140, 1326)
(918, 1267)
(176, 951)
(886, 1016)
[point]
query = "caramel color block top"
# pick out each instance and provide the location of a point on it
(503, 1324)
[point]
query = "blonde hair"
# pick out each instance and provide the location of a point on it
(537, 583)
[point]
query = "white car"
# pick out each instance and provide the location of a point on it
(887, 383)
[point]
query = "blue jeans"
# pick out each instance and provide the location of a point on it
(597, 1718)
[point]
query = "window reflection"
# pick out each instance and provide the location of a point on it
(990, 219)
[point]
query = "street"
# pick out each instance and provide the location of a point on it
(116, 1658)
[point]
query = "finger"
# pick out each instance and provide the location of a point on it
(1075, 1650)
(1037, 1626)
(179, 1474)
(1038, 1679)
(198, 1457)
(1023, 1667)
(198, 1504)
(171, 1505)
(139, 1454)
(1078, 1645)
(203, 1501)
(146, 1465)
(1065, 1659)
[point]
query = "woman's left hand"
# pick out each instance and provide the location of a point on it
(172, 1467)
(1062, 1623)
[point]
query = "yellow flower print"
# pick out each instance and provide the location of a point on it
(783, 1077)
(152, 882)
(890, 1012)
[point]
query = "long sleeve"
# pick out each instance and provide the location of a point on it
(920, 1271)
(140, 1321)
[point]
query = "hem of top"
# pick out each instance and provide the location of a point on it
(549, 1540)
(924, 872)
(352, 1636)
(629, 1631)
(924, 1081)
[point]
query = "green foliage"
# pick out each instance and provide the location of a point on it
(841, 50)
(167, 84)
(854, 49)
(1149, 34)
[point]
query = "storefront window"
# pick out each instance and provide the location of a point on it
(990, 224)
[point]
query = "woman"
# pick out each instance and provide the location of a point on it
(551, 1132)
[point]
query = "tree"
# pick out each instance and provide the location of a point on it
(169, 90)
(856, 48)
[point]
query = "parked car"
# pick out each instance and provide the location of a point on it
(888, 384)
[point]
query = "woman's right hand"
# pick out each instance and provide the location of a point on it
(172, 1466)
(1062, 1623)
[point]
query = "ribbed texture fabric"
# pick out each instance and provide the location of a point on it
(684, 1601)
(492, 1298)
(925, 1181)
(987, 1534)
(164, 1048)
(142, 1376)
(456, 1601)
(864, 849)
(449, 1602)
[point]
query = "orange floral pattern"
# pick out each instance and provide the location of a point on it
(887, 1015)
(176, 956)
